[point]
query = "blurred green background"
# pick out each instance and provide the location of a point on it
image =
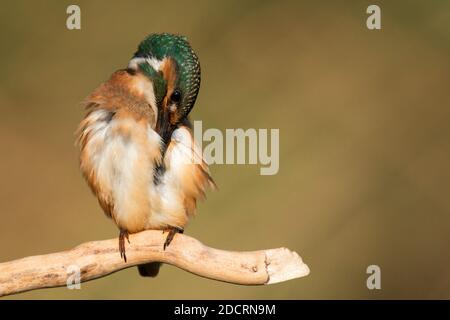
(364, 119)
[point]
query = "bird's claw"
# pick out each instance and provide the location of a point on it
(172, 232)
(122, 235)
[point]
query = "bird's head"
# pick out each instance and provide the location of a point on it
(174, 70)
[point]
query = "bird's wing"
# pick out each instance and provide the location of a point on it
(118, 152)
(187, 174)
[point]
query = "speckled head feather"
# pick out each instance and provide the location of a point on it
(177, 47)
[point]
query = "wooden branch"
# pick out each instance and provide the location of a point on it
(100, 258)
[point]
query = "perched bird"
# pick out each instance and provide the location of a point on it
(137, 151)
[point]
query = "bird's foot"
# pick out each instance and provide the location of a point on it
(172, 232)
(122, 235)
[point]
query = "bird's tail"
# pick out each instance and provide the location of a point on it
(149, 269)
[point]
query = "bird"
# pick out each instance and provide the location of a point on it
(137, 150)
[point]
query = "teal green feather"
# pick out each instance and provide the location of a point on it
(159, 83)
(178, 48)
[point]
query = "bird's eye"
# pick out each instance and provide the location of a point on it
(176, 96)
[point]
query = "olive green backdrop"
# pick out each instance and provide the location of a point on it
(364, 139)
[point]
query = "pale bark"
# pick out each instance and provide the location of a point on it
(99, 258)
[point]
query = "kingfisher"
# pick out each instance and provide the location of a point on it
(137, 150)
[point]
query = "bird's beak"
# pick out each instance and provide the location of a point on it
(163, 126)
